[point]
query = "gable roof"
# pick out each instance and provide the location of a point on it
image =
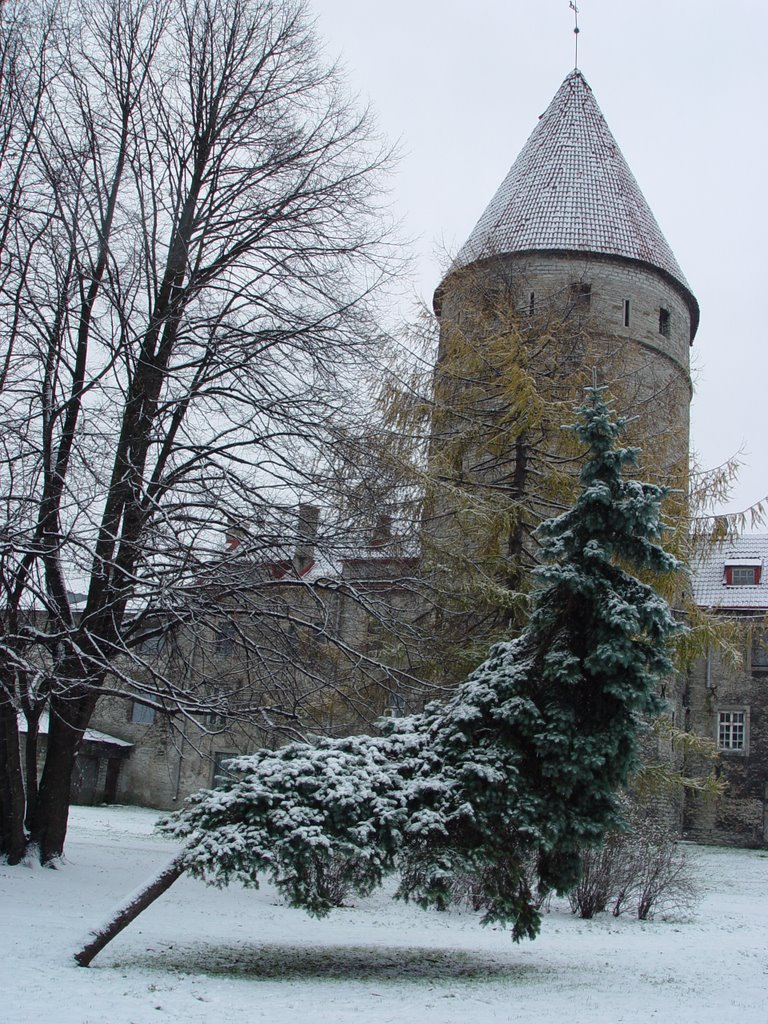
(708, 575)
(571, 189)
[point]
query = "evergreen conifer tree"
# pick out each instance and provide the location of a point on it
(522, 767)
(511, 776)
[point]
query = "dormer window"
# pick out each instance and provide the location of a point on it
(745, 572)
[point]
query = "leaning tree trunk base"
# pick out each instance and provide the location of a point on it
(131, 909)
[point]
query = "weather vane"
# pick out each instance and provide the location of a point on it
(575, 10)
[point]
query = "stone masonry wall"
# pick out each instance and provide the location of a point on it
(739, 818)
(647, 371)
(571, 310)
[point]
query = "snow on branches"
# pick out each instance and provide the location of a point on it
(510, 777)
(297, 814)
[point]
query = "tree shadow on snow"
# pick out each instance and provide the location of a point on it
(363, 963)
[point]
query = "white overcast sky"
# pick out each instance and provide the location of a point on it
(683, 87)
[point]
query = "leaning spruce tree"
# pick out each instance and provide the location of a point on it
(523, 766)
(508, 779)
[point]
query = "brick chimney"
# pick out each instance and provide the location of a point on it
(306, 536)
(381, 535)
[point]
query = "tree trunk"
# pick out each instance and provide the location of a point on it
(133, 906)
(30, 765)
(521, 529)
(13, 841)
(69, 716)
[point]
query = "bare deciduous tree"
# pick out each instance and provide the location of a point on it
(190, 237)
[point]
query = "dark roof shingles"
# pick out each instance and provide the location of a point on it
(571, 188)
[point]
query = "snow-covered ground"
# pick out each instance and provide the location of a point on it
(236, 956)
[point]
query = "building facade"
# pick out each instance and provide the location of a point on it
(726, 697)
(313, 644)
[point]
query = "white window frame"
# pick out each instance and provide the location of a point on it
(732, 726)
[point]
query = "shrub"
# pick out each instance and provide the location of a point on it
(664, 875)
(599, 872)
(471, 887)
(644, 869)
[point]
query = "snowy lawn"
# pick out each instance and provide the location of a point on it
(236, 956)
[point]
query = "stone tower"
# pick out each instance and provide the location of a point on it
(569, 248)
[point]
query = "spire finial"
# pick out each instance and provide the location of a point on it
(575, 10)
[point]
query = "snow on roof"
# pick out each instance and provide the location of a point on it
(571, 188)
(708, 577)
(327, 568)
(94, 735)
(323, 566)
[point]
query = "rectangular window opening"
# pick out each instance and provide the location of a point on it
(664, 322)
(626, 312)
(759, 650)
(151, 644)
(141, 714)
(581, 295)
(731, 730)
(531, 303)
(216, 718)
(743, 575)
(226, 638)
(375, 635)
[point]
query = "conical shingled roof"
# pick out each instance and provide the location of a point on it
(571, 189)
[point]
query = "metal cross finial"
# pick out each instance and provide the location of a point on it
(575, 10)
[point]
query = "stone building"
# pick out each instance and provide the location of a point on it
(570, 227)
(726, 698)
(569, 255)
(308, 646)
